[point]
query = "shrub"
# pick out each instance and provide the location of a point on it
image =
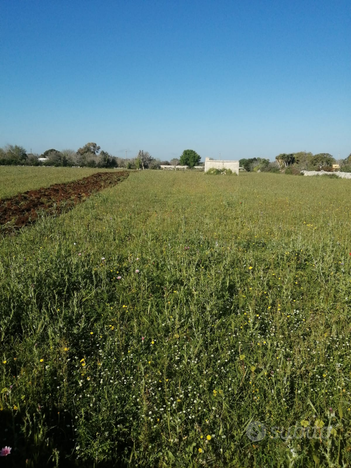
(214, 171)
(292, 171)
(271, 167)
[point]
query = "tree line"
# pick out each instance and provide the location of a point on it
(294, 163)
(89, 155)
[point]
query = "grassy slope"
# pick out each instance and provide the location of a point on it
(14, 180)
(242, 298)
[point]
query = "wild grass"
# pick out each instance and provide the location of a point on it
(18, 179)
(153, 323)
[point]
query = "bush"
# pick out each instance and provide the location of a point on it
(292, 171)
(214, 171)
(271, 167)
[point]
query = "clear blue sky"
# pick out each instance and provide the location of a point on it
(236, 78)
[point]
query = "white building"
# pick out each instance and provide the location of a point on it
(175, 168)
(221, 164)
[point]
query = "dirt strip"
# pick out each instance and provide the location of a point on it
(24, 208)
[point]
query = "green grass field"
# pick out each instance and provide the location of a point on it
(158, 322)
(16, 179)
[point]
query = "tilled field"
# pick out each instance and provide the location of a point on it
(24, 209)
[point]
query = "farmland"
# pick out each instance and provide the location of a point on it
(25, 208)
(16, 180)
(150, 325)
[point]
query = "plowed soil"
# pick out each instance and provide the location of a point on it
(23, 209)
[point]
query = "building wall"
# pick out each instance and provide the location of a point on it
(221, 164)
(175, 168)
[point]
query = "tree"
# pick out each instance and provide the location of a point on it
(155, 164)
(174, 161)
(303, 160)
(260, 164)
(121, 162)
(88, 153)
(143, 159)
(131, 164)
(106, 160)
(89, 148)
(285, 160)
(32, 159)
(321, 160)
(253, 164)
(189, 158)
(16, 154)
(70, 156)
(54, 158)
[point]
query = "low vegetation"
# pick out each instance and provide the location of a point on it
(152, 325)
(214, 171)
(16, 180)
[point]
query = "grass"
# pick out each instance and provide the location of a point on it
(18, 179)
(153, 323)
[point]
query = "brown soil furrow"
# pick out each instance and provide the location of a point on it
(22, 209)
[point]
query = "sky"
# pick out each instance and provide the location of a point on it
(229, 79)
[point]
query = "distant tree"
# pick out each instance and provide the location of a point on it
(302, 157)
(271, 167)
(131, 164)
(54, 158)
(285, 160)
(91, 163)
(106, 160)
(84, 158)
(155, 164)
(189, 158)
(49, 152)
(259, 164)
(143, 159)
(321, 160)
(88, 153)
(243, 163)
(16, 154)
(264, 162)
(121, 162)
(165, 163)
(253, 164)
(303, 160)
(70, 155)
(174, 161)
(32, 159)
(89, 148)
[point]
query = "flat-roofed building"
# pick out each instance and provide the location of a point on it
(221, 164)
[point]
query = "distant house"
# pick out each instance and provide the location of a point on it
(336, 167)
(221, 164)
(42, 159)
